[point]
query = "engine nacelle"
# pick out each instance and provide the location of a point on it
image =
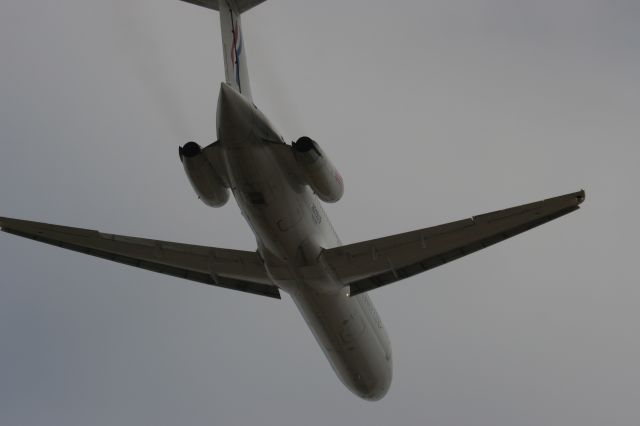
(319, 173)
(207, 184)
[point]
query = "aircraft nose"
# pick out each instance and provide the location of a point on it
(235, 116)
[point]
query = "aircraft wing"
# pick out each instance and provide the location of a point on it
(233, 269)
(371, 264)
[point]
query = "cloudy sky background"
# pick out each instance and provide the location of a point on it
(433, 111)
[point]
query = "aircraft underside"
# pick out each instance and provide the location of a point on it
(280, 189)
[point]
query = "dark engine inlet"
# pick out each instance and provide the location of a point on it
(189, 150)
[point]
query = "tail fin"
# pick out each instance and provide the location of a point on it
(235, 59)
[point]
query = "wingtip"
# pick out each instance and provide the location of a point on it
(580, 196)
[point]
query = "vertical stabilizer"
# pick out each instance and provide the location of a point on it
(235, 59)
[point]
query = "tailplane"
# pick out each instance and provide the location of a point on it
(235, 59)
(242, 5)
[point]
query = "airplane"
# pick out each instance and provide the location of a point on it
(279, 188)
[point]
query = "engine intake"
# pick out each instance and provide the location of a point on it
(318, 171)
(189, 150)
(207, 184)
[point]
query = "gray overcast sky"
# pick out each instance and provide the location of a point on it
(433, 110)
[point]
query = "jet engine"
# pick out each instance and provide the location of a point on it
(318, 172)
(207, 184)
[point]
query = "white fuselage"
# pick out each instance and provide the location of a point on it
(291, 229)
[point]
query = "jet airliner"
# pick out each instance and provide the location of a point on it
(280, 188)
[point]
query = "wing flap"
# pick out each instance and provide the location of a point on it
(375, 263)
(233, 269)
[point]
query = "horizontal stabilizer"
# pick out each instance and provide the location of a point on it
(233, 269)
(371, 264)
(243, 5)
